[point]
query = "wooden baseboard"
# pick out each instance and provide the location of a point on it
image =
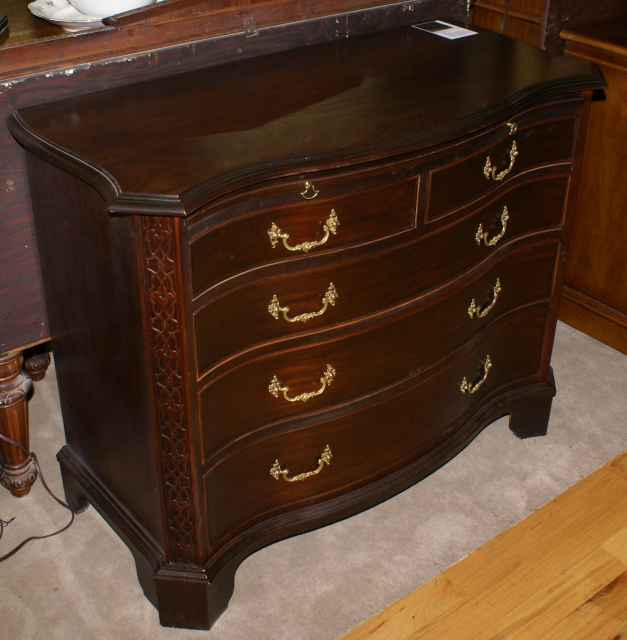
(594, 319)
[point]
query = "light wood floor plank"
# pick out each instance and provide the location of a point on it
(532, 579)
(548, 606)
(616, 634)
(589, 622)
(617, 546)
(473, 615)
(410, 613)
(613, 598)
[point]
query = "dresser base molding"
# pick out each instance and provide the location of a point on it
(594, 319)
(193, 598)
(82, 488)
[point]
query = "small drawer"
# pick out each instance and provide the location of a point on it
(379, 355)
(251, 314)
(368, 443)
(313, 226)
(468, 178)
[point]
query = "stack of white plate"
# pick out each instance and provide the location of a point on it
(61, 12)
(82, 14)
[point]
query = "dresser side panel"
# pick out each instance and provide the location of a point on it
(92, 290)
(579, 142)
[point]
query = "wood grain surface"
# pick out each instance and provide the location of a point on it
(39, 66)
(540, 22)
(240, 313)
(243, 498)
(596, 275)
(138, 335)
(392, 349)
(219, 140)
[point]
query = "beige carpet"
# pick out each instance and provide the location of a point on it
(82, 585)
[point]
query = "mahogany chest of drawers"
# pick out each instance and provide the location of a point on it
(293, 286)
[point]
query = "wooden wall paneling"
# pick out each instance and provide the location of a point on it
(595, 297)
(568, 14)
(539, 22)
(525, 19)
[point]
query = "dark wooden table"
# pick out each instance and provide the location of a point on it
(40, 62)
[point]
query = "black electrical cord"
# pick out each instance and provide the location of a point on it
(4, 523)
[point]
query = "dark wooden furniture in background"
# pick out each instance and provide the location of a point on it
(539, 22)
(294, 285)
(40, 62)
(526, 20)
(595, 295)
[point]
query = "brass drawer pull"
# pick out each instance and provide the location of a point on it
(465, 387)
(310, 191)
(475, 312)
(490, 172)
(330, 226)
(482, 236)
(329, 299)
(326, 380)
(276, 472)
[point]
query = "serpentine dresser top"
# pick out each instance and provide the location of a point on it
(295, 285)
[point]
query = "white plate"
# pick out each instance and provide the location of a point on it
(61, 12)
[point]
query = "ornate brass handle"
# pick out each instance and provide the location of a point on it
(482, 236)
(475, 312)
(276, 472)
(465, 387)
(330, 226)
(329, 299)
(490, 172)
(513, 127)
(326, 380)
(310, 191)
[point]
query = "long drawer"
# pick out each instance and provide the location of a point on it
(401, 345)
(370, 442)
(322, 224)
(251, 314)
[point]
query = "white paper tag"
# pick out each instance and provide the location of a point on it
(444, 29)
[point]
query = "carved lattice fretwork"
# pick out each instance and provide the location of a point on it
(160, 252)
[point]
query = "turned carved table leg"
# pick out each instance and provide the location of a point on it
(36, 363)
(17, 470)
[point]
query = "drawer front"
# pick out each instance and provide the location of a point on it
(369, 443)
(242, 318)
(311, 227)
(395, 348)
(466, 179)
